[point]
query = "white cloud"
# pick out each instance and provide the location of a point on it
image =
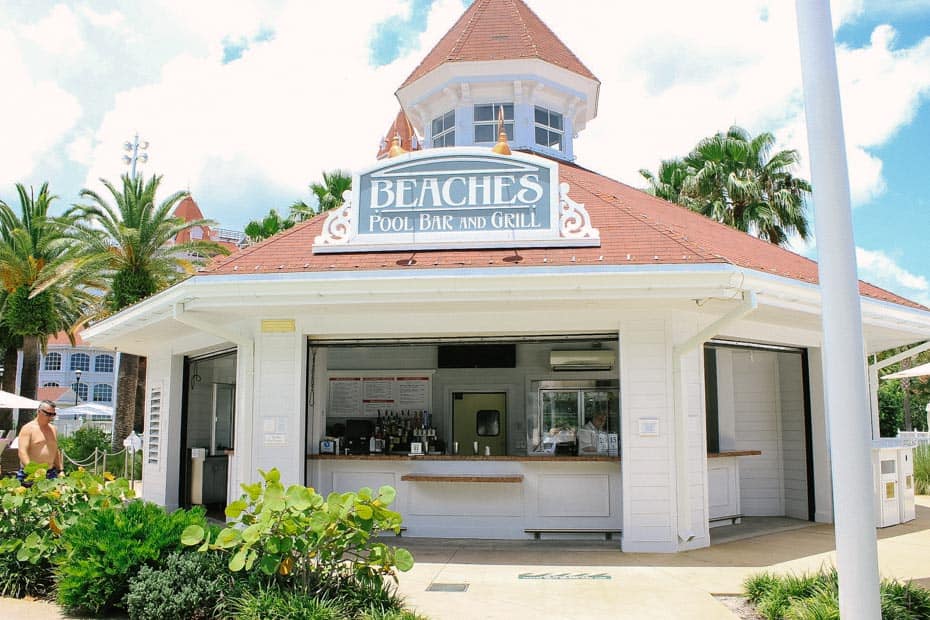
(876, 267)
(307, 99)
(59, 32)
(34, 115)
(114, 20)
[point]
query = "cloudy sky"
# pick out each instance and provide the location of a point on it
(244, 103)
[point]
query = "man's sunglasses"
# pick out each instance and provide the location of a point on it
(50, 414)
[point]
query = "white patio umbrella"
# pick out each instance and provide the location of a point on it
(15, 401)
(918, 371)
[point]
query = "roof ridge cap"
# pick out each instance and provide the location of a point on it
(468, 30)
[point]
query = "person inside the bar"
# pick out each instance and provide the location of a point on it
(588, 434)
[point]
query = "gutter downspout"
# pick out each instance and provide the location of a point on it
(246, 349)
(873, 381)
(748, 305)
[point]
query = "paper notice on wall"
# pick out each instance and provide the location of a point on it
(377, 388)
(345, 396)
(413, 392)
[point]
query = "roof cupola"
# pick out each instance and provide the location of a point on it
(500, 58)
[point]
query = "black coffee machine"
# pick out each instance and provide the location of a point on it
(357, 435)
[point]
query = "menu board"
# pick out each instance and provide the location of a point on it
(365, 397)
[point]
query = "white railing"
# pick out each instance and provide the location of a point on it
(921, 438)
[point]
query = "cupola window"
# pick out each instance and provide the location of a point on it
(444, 130)
(486, 121)
(548, 128)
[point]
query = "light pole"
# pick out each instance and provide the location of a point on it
(77, 388)
(135, 147)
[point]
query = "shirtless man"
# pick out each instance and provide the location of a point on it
(38, 442)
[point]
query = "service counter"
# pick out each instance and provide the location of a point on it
(485, 496)
(506, 496)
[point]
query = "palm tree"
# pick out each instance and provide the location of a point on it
(47, 285)
(735, 179)
(10, 344)
(328, 195)
(268, 226)
(133, 242)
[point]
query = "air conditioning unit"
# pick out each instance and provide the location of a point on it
(594, 359)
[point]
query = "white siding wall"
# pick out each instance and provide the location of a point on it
(160, 481)
(823, 483)
(758, 427)
(793, 435)
(278, 429)
(648, 462)
(692, 372)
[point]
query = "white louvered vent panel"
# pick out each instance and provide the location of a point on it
(154, 429)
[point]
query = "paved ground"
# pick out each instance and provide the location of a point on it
(520, 580)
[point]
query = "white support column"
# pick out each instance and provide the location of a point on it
(846, 394)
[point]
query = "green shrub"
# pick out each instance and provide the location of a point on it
(82, 443)
(816, 597)
(31, 520)
(922, 470)
(311, 544)
(270, 603)
(106, 548)
(904, 601)
(80, 447)
(187, 585)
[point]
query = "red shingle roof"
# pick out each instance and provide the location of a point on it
(402, 128)
(499, 30)
(62, 338)
(635, 229)
(51, 393)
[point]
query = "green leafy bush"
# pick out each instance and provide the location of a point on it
(270, 603)
(106, 548)
(187, 585)
(922, 470)
(311, 544)
(32, 519)
(82, 443)
(816, 597)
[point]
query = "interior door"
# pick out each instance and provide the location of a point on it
(224, 410)
(480, 417)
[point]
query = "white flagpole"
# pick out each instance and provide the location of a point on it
(844, 356)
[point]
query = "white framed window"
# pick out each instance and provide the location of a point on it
(549, 128)
(443, 129)
(80, 389)
(103, 393)
(53, 361)
(103, 363)
(80, 361)
(50, 384)
(486, 121)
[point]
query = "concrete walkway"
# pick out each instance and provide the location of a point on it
(516, 580)
(550, 580)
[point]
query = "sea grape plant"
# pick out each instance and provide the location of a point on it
(298, 535)
(32, 519)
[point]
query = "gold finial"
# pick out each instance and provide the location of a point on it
(501, 148)
(396, 148)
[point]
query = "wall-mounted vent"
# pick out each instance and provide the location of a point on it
(594, 359)
(153, 431)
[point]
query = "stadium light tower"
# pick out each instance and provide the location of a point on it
(137, 154)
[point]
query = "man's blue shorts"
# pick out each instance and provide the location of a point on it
(50, 474)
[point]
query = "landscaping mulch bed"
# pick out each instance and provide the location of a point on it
(739, 606)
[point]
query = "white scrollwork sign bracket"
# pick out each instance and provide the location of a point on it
(574, 221)
(338, 224)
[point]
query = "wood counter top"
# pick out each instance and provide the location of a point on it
(458, 457)
(528, 459)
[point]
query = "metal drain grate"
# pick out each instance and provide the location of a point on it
(447, 587)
